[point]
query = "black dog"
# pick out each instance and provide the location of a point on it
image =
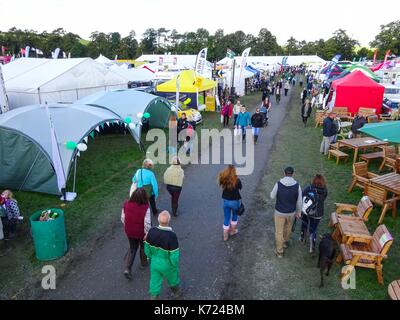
(327, 253)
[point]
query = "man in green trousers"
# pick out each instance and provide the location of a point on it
(162, 250)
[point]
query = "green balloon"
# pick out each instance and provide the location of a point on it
(128, 120)
(71, 145)
(146, 115)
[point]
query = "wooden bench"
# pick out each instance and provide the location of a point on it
(394, 290)
(367, 112)
(338, 154)
(334, 146)
(342, 112)
(367, 157)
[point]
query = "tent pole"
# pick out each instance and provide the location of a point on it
(29, 172)
(73, 187)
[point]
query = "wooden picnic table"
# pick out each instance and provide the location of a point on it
(394, 290)
(391, 183)
(352, 229)
(360, 143)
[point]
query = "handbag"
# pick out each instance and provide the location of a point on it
(241, 209)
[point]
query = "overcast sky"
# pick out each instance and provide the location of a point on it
(304, 19)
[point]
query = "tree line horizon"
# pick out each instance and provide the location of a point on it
(162, 40)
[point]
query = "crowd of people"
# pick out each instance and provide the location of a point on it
(158, 245)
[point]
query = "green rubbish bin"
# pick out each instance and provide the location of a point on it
(49, 237)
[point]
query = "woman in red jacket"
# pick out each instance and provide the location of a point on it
(137, 222)
(226, 112)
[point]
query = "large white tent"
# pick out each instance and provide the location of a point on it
(172, 62)
(104, 60)
(133, 74)
(273, 60)
(37, 81)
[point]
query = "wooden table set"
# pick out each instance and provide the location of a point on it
(351, 229)
(391, 183)
(360, 144)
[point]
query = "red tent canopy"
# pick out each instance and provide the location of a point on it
(357, 90)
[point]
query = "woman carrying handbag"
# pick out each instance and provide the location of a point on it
(232, 200)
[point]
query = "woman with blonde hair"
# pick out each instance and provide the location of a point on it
(11, 209)
(145, 178)
(231, 186)
(173, 179)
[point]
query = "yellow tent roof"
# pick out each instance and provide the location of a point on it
(187, 83)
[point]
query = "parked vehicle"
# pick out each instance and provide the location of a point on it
(392, 91)
(389, 105)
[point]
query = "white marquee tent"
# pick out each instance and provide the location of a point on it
(37, 81)
(274, 60)
(173, 62)
(133, 74)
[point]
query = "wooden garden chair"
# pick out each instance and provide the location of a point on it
(373, 119)
(368, 255)
(389, 158)
(379, 196)
(319, 118)
(366, 112)
(361, 176)
(362, 210)
(342, 112)
(397, 167)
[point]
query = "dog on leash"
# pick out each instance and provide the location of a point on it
(327, 253)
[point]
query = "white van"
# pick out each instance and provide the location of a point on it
(391, 91)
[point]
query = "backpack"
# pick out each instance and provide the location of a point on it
(310, 200)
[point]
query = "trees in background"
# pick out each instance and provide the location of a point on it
(163, 40)
(388, 39)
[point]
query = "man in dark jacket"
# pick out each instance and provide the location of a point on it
(162, 250)
(182, 123)
(287, 192)
(358, 123)
(257, 120)
(329, 131)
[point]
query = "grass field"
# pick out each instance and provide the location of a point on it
(299, 146)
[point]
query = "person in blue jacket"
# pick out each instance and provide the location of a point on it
(243, 121)
(145, 178)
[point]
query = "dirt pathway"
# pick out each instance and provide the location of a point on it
(205, 261)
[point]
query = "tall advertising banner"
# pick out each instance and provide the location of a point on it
(332, 65)
(241, 89)
(3, 95)
(201, 61)
(375, 54)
